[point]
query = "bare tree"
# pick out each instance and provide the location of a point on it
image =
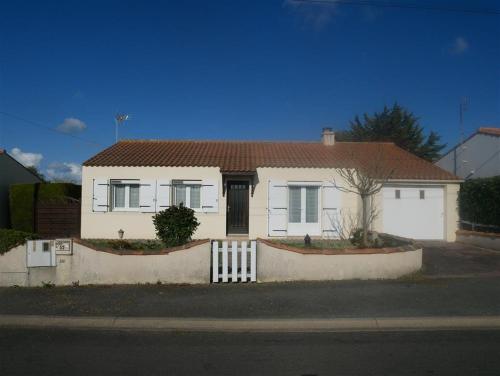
(365, 180)
(347, 221)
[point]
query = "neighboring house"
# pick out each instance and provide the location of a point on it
(11, 172)
(260, 189)
(477, 157)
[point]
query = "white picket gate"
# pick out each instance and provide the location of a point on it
(238, 263)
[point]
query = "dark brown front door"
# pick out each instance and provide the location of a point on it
(237, 207)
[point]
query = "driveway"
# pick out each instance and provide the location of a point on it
(441, 259)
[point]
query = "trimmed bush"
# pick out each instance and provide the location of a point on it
(175, 225)
(12, 238)
(479, 201)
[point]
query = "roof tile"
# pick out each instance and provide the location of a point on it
(247, 156)
(490, 130)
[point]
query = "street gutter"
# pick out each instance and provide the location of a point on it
(313, 325)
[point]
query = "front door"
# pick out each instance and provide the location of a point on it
(237, 207)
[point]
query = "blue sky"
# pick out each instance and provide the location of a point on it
(234, 69)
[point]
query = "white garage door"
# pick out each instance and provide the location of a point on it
(414, 212)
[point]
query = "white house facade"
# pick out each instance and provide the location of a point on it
(477, 157)
(261, 189)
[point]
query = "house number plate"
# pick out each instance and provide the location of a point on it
(63, 246)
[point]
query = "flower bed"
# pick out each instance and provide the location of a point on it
(136, 246)
(385, 244)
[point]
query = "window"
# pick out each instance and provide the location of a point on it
(294, 205)
(422, 194)
(398, 194)
(303, 204)
(188, 194)
(312, 204)
(125, 195)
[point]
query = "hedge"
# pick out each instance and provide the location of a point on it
(479, 201)
(58, 191)
(22, 200)
(12, 238)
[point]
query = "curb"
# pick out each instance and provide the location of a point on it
(173, 324)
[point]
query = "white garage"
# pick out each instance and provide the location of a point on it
(414, 211)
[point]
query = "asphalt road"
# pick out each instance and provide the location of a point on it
(66, 352)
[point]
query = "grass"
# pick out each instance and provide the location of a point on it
(319, 244)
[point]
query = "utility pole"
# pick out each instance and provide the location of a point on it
(464, 102)
(119, 119)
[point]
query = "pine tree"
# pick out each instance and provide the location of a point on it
(396, 125)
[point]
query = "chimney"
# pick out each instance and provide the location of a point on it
(328, 136)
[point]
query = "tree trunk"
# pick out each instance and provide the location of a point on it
(365, 204)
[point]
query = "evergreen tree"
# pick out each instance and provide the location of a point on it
(396, 125)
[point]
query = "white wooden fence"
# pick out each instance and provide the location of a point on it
(238, 263)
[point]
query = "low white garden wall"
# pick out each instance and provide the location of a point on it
(89, 266)
(13, 270)
(479, 239)
(276, 265)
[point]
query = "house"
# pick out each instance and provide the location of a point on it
(476, 157)
(261, 189)
(12, 172)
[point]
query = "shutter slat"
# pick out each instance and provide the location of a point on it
(100, 195)
(277, 208)
(210, 196)
(163, 190)
(147, 196)
(331, 208)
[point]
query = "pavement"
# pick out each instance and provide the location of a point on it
(411, 298)
(456, 260)
(456, 280)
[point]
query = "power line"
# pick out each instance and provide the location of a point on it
(42, 126)
(386, 4)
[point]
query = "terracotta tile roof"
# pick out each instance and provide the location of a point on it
(247, 156)
(490, 130)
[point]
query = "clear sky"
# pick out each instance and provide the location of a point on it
(234, 69)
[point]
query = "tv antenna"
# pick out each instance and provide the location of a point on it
(119, 119)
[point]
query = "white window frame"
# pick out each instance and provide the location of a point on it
(302, 228)
(127, 183)
(188, 184)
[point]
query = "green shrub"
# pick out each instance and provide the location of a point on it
(175, 225)
(357, 237)
(120, 244)
(12, 238)
(22, 201)
(479, 201)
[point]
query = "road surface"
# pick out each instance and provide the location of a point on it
(86, 352)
